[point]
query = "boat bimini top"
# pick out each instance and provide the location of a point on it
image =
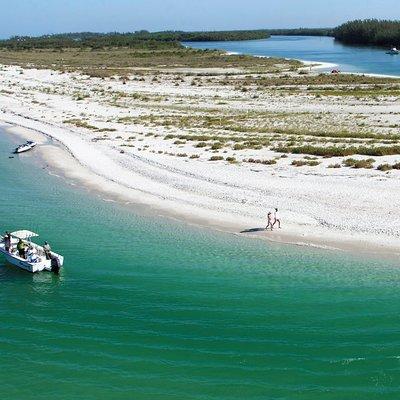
(24, 235)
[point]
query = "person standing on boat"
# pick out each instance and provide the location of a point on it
(47, 250)
(21, 248)
(7, 242)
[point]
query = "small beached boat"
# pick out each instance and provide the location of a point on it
(36, 258)
(25, 147)
(393, 51)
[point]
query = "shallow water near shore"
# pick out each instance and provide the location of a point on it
(356, 59)
(149, 308)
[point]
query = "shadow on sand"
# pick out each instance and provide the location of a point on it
(253, 230)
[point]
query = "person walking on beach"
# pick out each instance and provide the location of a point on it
(269, 219)
(277, 219)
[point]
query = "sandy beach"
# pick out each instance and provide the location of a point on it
(112, 136)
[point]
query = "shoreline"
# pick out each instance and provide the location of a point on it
(314, 65)
(63, 162)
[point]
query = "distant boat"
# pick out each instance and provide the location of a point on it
(393, 51)
(38, 261)
(29, 145)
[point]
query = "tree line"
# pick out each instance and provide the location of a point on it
(369, 32)
(302, 32)
(361, 32)
(139, 39)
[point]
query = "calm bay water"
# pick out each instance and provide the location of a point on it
(314, 48)
(147, 308)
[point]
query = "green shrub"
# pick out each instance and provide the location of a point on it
(332, 151)
(349, 162)
(301, 163)
(384, 167)
(239, 146)
(268, 162)
(368, 163)
(216, 158)
(217, 146)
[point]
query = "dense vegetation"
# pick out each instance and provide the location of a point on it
(140, 39)
(302, 32)
(369, 32)
(366, 32)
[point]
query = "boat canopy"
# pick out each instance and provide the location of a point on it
(24, 234)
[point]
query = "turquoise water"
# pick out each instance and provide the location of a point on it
(314, 48)
(147, 308)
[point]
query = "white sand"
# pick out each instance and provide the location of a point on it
(343, 208)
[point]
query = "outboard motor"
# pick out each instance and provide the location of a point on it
(55, 265)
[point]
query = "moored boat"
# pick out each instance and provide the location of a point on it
(393, 51)
(35, 258)
(29, 145)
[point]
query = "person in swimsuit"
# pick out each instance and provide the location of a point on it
(277, 219)
(269, 219)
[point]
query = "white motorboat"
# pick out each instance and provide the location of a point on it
(393, 51)
(36, 259)
(25, 147)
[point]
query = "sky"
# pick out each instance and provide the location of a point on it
(37, 17)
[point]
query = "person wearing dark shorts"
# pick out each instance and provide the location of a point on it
(7, 242)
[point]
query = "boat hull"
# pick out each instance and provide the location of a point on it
(42, 265)
(19, 151)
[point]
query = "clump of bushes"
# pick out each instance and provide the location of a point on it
(217, 146)
(257, 161)
(388, 167)
(353, 163)
(302, 163)
(239, 146)
(216, 158)
(333, 151)
(384, 167)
